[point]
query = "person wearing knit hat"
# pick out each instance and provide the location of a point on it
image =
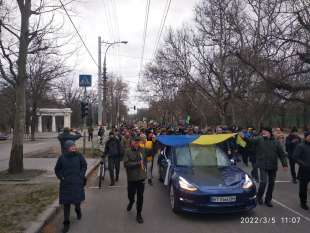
(135, 165)
(267, 151)
(70, 169)
(265, 131)
(113, 151)
(302, 157)
(67, 135)
(291, 142)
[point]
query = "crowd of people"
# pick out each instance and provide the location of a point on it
(137, 147)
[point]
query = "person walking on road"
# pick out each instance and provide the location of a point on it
(134, 162)
(125, 143)
(150, 156)
(302, 157)
(65, 136)
(291, 143)
(267, 151)
(279, 136)
(70, 169)
(90, 133)
(113, 151)
(101, 134)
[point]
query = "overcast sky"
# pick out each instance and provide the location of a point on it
(124, 20)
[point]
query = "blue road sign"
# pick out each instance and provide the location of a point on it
(85, 80)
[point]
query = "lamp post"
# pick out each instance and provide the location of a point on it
(105, 87)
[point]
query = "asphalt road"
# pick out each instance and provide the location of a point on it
(105, 211)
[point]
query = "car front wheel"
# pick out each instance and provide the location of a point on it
(174, 200)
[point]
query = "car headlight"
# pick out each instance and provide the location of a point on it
(248, 183)
(184, 184)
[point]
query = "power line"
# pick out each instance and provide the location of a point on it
(108, 18)
(114, 11)
(162, 25)
(147, 10)
(113, 28)
(77, 31)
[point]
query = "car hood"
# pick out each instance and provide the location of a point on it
(212, 176)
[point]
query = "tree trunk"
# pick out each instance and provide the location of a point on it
(16, 158)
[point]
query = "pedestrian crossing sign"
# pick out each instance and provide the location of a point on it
(85, 80)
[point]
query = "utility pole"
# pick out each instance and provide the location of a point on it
(85, 122)
(99, 84)
(105, 90)
(105, 87)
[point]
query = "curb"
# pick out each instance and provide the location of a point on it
(37, 225)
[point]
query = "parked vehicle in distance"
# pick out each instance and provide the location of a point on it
(4, 136)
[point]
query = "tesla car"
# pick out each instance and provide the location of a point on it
(201, 179)
(4, 136)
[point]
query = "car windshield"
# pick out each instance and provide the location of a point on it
(209, 156)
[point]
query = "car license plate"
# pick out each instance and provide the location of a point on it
(224, 199)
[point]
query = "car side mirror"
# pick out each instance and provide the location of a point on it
(165, 161)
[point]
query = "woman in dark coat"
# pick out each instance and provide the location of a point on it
(70, 169)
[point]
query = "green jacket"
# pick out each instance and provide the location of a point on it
(267, 153)
(132, 162)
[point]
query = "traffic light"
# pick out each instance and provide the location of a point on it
(84, 109)
(134, 107)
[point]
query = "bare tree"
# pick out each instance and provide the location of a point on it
(30, 35)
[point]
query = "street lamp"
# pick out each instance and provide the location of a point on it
(105, 87)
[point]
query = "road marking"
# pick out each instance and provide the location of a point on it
(294, 211)
(115, 186)
(283, 181)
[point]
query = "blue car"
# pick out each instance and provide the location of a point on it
(201, 179)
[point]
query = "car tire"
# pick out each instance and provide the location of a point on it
(174, 202)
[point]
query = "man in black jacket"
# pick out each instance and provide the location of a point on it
(267, 151)
(302, 157)
(113, 151)
(65, 136)
(291, 143)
